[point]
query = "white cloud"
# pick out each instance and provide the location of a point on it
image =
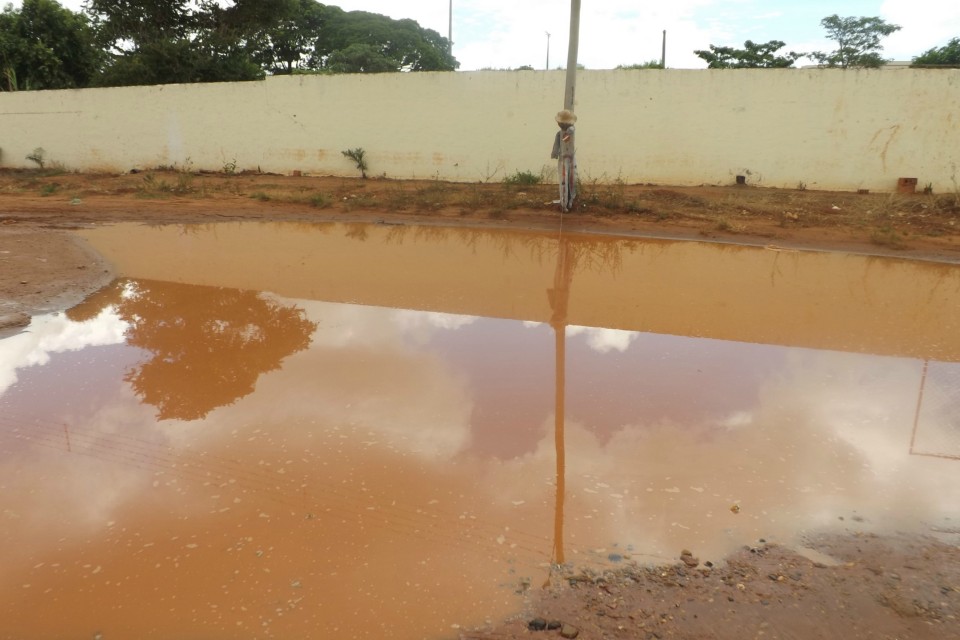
(926, 24)
(604, 340)
(55, 333)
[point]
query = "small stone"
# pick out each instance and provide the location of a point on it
(554, 624)
(537, 624)
(735, 508)
(687, 558)
(569, 631)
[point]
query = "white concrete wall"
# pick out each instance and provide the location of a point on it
(830, 129)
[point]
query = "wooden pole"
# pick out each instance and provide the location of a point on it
(548, 51)
(571, 89)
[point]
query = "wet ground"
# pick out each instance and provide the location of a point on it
(266, 430)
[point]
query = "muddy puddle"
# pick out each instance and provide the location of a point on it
(282, 430)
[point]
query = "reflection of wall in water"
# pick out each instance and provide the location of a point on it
(745, 294)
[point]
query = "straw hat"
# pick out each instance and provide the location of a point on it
(566, 117)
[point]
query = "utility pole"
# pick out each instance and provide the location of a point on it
(450, 29)
(548, 50)
(571, 88)
(663, 53)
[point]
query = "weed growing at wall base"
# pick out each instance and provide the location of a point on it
(359, 157)
(524, 178)
(38, 156)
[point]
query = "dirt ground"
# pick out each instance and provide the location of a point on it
(875, 587)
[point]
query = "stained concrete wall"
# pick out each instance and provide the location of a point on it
(829, 129)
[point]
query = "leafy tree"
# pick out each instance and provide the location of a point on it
(170, 41)
(753, 55)
(288, 44)
(403, 43)
(651, 64)
(44, 46)
(360, 58)
(945, 56)
(858, 41)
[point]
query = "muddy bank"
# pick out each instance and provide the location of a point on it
(43, 270)
(852, 586)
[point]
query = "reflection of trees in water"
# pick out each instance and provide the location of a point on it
(209, 344)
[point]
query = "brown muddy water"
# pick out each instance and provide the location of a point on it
(284, 431)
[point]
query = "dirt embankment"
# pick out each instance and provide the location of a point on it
(865, 588)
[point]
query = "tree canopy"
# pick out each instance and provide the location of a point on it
(125, 42)
(650, 64)
(858, 41)
(753, 55)
(945, 56)
(44, 46)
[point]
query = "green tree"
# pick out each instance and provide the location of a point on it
(651, 64)
(287, 45)
(403, 43)
(172, 41)
(360, 58)
(858, 41)
(44, 46)
(945, 56)
(753, 55)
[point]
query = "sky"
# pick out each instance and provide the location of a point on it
(503, 34)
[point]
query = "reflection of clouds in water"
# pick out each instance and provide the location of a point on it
(359, 371)
(407, 319)
(868, 404)
(340, 325)
(830, 438)
(419, 324)
(938, 417)
(604, 340)
(108, 462)
(55, 333)
(599, 339)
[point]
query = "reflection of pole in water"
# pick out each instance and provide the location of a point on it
(559, 296)
(560, 332)
(66, 432)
